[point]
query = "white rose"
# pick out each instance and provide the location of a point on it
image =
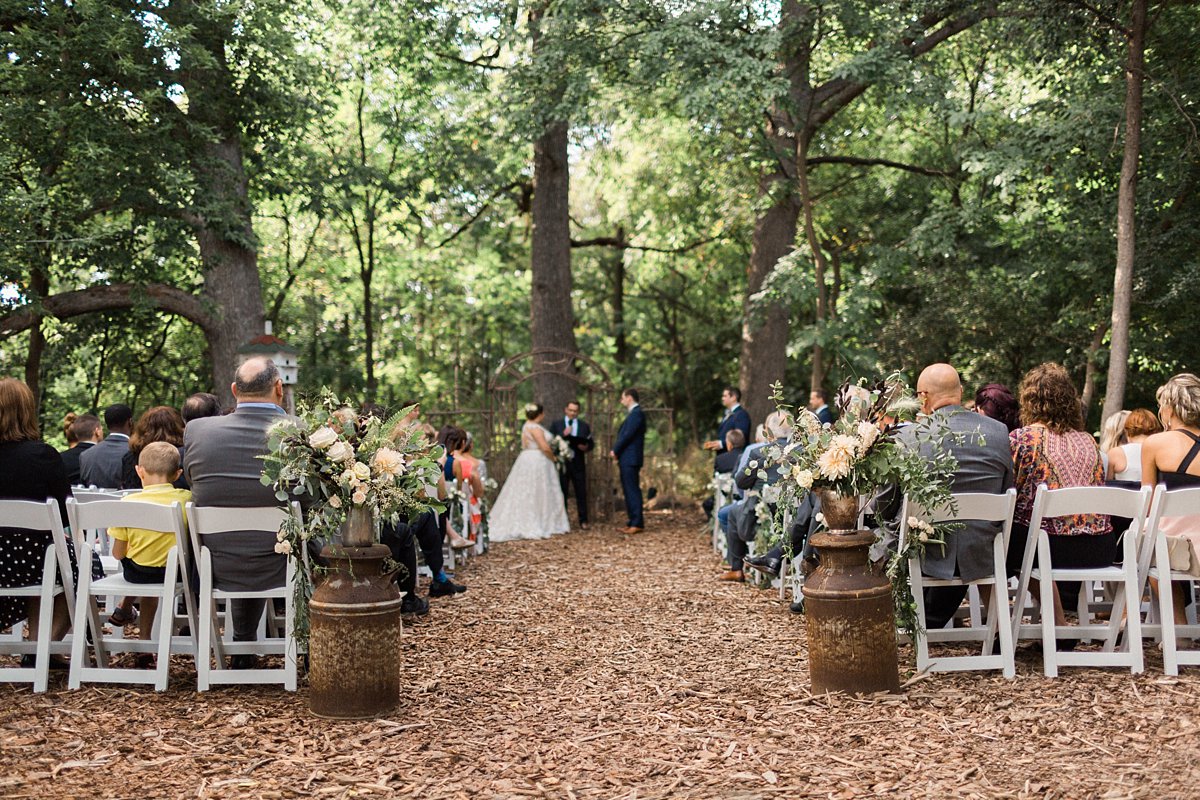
(322, 438)
(820, 518)
(805, 478)
(346, 416)
(360, 496)
(341, 451)
(335, 501)
(388, 462)
(283, 548)
(361, 471)
(923, 537)
(913, 522)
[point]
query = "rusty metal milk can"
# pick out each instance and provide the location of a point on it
(848, 608)
(354, 639)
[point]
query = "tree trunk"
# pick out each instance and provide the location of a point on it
(1090, 369)
(765, 330)
(232, 287)
(820, 266)
(552, 319)
(1118, 359)
(617, 272)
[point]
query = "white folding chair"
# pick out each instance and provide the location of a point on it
(971, 507)
(720, 500)
(205, 522)
(149, 516)
(55, 565)
(1155, 563)
(1048, 503)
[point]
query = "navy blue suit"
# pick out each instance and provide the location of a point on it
(738, 419)
(825, 415)
(630, 450)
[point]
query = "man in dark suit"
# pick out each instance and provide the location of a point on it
(86, 430)
(818, 403)
(735, 418)
(983, 466)
(628, 451)
(578, 435)
(101, 465)
(223, 466)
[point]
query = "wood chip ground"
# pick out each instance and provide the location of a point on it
(598, 666)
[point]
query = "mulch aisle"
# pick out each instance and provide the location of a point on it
(593, 665)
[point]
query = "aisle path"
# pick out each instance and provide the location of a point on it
(593, 665)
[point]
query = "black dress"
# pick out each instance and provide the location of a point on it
(29, 471)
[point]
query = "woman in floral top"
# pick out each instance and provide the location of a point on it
(1052, 448)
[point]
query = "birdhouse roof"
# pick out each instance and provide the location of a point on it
(267, 343)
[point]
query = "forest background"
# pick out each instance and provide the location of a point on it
(692, 192)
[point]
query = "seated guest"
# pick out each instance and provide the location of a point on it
(200, 405)
(1171, 458)
(466, 473)
(158, 424)
(1053, 448)
(143, 553)
(995, 400)
(452, 442)
(985, 465)
(101, 465)
(742, 521)
(85, 433)
(29, 470)
(760, 441)
(726, 462)
(223, 466)
(1125, 459)
(1112, 434)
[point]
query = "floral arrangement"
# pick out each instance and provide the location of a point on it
(722, 482)
(860, 454)
(333, 459)
(562, 452)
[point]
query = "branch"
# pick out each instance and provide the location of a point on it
(613, 241)
(880, 162)
(836, 94)
(475, 217)
(109, 297)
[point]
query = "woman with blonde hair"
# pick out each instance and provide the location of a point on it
(1170, 458)
(1125, 459)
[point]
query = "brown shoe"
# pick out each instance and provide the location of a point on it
(733, 576)
(632, 530)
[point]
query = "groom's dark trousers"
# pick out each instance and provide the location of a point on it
(628, 449)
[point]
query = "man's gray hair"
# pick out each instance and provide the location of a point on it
(257, 384)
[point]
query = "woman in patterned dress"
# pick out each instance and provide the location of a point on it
(1052, 448)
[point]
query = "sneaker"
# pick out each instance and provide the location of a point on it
(445, 588)
(414, 605)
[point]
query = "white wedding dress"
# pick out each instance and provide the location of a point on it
(530, 505)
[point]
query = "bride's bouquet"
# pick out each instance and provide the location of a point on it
(562, 452)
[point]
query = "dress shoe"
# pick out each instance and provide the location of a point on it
(57, 662)
(414, 605)
(632, 529)
(733, 576)
(243, 661)
(445, 588)
(765, 564)
(797, 607)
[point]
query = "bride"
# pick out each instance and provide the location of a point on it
(530, 505)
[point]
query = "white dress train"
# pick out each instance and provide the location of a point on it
(530, 505)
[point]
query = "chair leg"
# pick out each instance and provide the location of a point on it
(918, 594)
(1046, 594)
(83, 626)
(41, 675)
(206, 612)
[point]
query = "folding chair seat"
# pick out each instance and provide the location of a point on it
(1156, 563)
(113, 513)
(56, 567)
(1048, 503)
(971, 507)
(205, 523)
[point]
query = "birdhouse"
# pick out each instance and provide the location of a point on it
(276, 349)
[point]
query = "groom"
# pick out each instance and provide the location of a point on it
(627, 451)
(577, 434)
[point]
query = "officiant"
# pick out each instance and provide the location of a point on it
(577, 434)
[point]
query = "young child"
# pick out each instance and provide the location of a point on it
(143, 553)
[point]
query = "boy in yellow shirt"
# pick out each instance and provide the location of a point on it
(143, 553)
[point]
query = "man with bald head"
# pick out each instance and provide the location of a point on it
(223, 466)
(984, 465)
